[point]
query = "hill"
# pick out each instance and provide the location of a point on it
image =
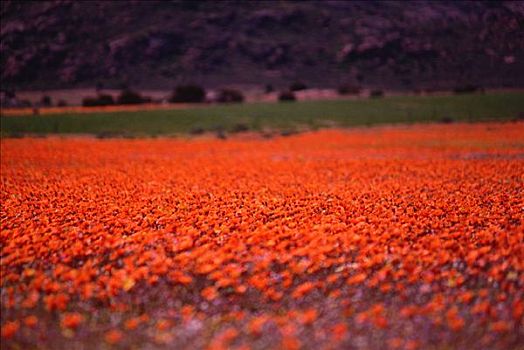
(393, 45)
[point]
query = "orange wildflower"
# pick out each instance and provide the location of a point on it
(309, 316)
(31, 321)
(357, 279)
(339, 331)
(113, 336)
(132, 323)
(71, 320)
(500, 327)
(256, 324)
(209, 293)
(302, 290)
(391, 226)
(9, 329)
(163, 325)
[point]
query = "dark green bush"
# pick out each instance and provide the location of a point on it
(287, 96)
(100, 100)
(348, 90)
(130, 97)
(240, 127)
(46, 101)
(297, 86)
(467, 89)
(197, 130)
(288, 132)
(230, 96)
(376, 93)
(188, 94)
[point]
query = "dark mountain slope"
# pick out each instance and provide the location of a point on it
(398, 45)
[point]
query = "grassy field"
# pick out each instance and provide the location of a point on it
(289, 116)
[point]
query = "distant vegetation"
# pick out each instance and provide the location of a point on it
(130, 97)
(100, 100)
(297, 86)
(286, 117)
(46, 101)
(376, 93)
(230, 96)
(126, 97)
(188, 94)
(467, 89)
(347, 89)
(286, 96)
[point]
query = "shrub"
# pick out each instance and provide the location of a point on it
(15, 135)
(197, 130)
(240, 127)
(288, 132)
(431, 90)
(467, 89)
(376, 93)
(130, 97)
(188, 94)
(297, 86)
(348, 90)
(287, 96)
(24, 103)
(46, 101)
(230, 95)
(61, 103)
(99, 86)
(105, 135)
(220, 132)
(10, 93)
(100, 100)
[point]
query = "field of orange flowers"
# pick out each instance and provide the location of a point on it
(401, 237)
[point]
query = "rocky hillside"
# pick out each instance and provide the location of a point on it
(393, 45)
